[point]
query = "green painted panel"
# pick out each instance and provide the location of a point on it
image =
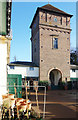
(74, 79)
(3, 18)
(17, 80)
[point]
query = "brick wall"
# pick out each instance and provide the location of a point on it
(45, 56)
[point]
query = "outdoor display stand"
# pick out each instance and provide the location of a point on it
(20, 108)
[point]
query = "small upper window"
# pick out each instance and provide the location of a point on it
(55, 43)
(66, 21)
(50, 18)
(61, 20)
(11, 67)
(46, 17)
(42, 16)
(31, 68)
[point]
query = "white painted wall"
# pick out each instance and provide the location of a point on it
(3, 70)
(24, 71)
(32, 73)
(74, 74)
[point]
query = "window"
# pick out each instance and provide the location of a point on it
(42, 16)
(46, 17)
(61, 20)
(73, 70)
(31, 68)
(11, 67)
(50, 18)
(66, 21)
(55, 43)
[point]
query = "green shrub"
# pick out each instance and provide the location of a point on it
(43, 83)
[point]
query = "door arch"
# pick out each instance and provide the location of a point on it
(55, 77)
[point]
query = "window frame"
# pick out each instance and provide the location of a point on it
(55, 45)
(61, 21)
(66, 21)
(73, 70)
(12, 67)
(45, 16)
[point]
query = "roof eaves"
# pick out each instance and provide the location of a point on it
(24, 65)
(74, 67)
(59, 12)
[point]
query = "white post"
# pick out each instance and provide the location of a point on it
(44, 103)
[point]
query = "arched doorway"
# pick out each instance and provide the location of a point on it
(55, 77)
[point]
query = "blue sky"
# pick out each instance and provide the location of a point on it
(22, 15)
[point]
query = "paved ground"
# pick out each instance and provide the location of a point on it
(60, 104)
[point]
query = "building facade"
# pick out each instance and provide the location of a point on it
(5, 40)
(74, 76)
(5, 23)
(74, 72)
(50, 38)
(28, 70)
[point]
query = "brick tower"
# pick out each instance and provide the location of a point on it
(50, 38)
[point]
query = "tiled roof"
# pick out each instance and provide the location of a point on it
(54, 9)
(23, 63)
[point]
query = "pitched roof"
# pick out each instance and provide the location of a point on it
(54, 9)
(23, 63)
(50, 8)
